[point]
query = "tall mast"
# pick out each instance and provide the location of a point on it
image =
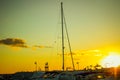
(62, 34)
(62, 25)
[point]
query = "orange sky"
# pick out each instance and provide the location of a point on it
(31, 31)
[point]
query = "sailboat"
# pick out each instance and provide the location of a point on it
(69, 75)
(60, 75)
(65, 27)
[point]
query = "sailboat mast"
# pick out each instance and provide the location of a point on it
(62, 34)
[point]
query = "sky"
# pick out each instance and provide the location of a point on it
(30, 31)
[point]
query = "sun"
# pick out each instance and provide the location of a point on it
(112, 60)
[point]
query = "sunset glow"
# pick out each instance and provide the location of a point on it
(112, 60)
(30, 31)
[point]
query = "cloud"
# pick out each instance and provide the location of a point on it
(93, 52)
(67, 54)
(42, 46)
(14, 42)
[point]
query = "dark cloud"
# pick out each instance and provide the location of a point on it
(14, 42)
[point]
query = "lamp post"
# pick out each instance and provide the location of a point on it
(36, 65)
(78, 65)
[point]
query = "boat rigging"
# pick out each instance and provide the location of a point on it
(64, 26)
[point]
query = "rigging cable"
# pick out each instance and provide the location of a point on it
(68, 41)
